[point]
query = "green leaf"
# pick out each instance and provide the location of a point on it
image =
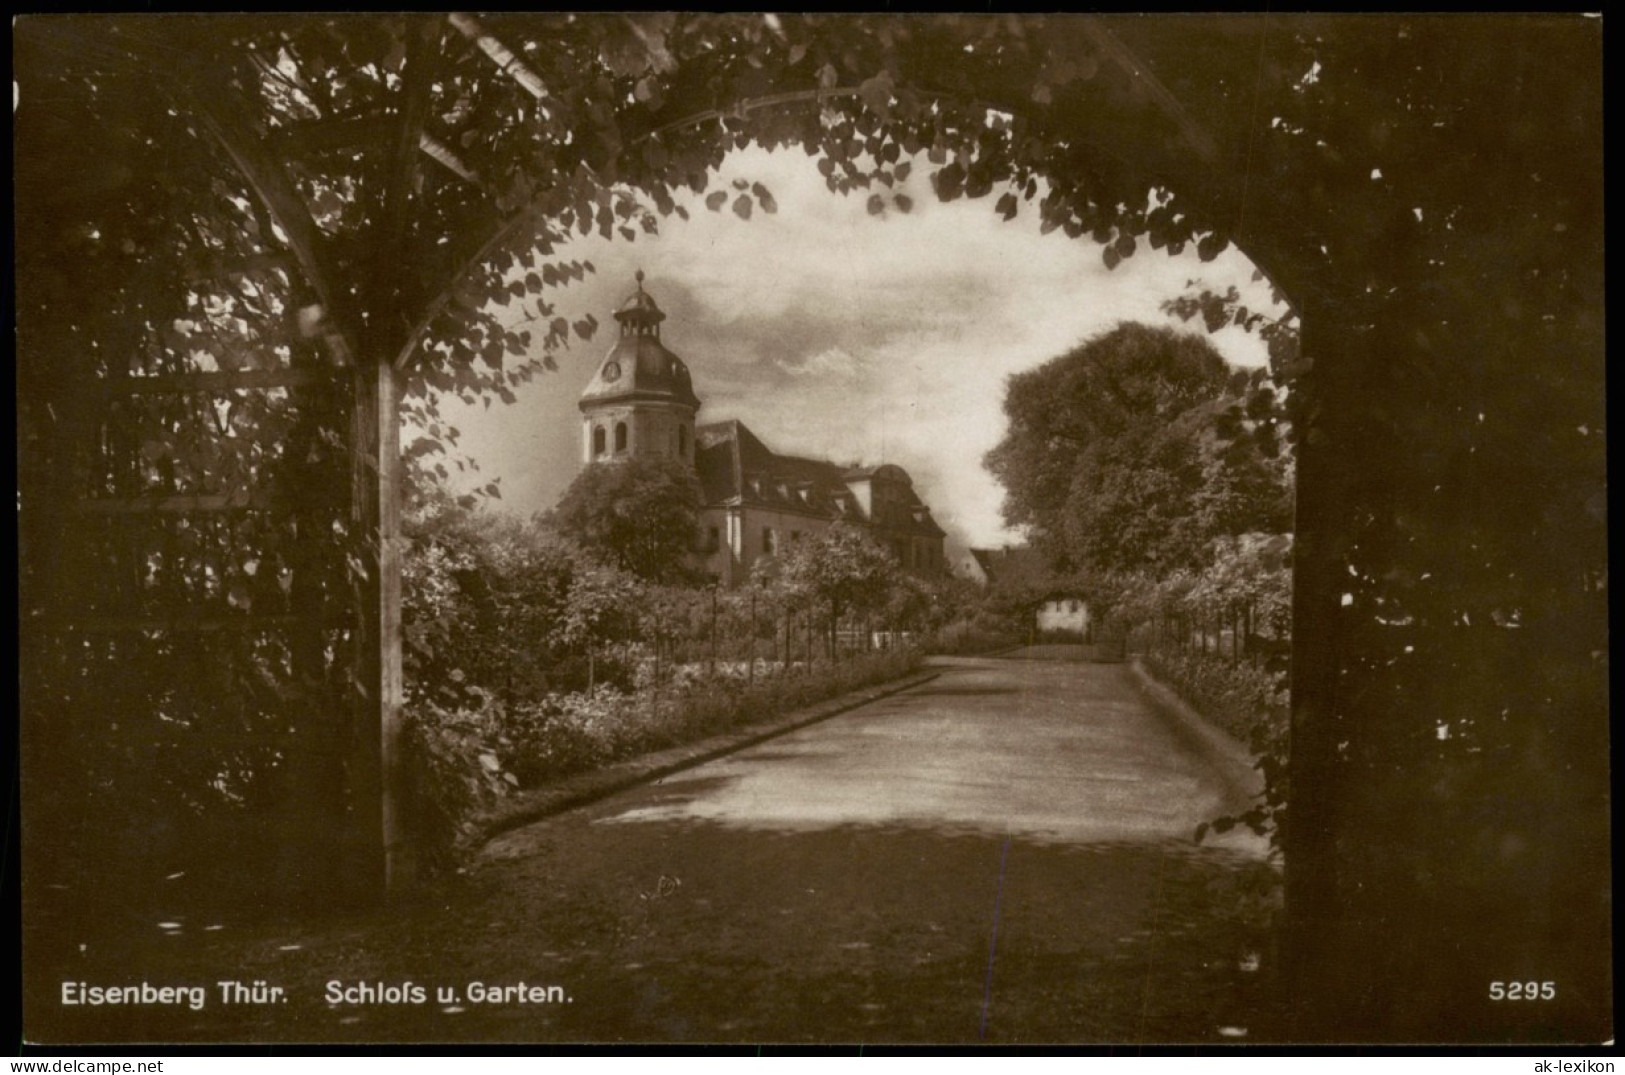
(877, 93)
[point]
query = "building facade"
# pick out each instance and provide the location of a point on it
(1058, 605)
(756, 502)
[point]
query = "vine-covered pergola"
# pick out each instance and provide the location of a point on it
(249, 248)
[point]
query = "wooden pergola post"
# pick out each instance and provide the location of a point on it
(380, 832)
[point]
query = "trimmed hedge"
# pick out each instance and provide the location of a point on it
(466, 759)
(1248, 702)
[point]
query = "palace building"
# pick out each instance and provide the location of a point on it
(641, 403)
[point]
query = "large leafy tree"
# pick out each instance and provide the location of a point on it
(1116, 385)
(1132, 452)
(641, 514)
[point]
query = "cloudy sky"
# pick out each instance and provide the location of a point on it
(840, 335)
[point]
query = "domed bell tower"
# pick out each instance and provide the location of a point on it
(641, 402)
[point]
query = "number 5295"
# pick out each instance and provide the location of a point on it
(1523, 990)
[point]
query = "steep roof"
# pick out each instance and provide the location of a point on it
(735, 467)
(639, 366)
(1021, 565)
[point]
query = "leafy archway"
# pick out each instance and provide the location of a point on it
(295, 227)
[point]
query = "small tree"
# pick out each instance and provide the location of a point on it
(841, 570)
(602, 606)
(640, 514)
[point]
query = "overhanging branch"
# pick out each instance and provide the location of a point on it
(1194, 134)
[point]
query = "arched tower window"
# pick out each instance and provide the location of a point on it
(597, 441)
(620, 436)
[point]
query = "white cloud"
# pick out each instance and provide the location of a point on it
(832, 362)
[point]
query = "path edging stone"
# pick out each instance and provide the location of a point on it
(1228, 755)
(589, 787)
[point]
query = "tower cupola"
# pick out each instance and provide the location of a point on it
(641, 401)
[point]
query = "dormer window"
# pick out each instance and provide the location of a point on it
(597, 441)
(620, 437)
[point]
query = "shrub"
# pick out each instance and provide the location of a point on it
(1252, 704)
(1246, 701)
(969, 636)
(454, 756)
(570, 733)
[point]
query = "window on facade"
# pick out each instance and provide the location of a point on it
(795, 537)
(1072, 606)
(620, 436)
(769, 541)
(682, 442)
(598, 440)
(715, 542)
